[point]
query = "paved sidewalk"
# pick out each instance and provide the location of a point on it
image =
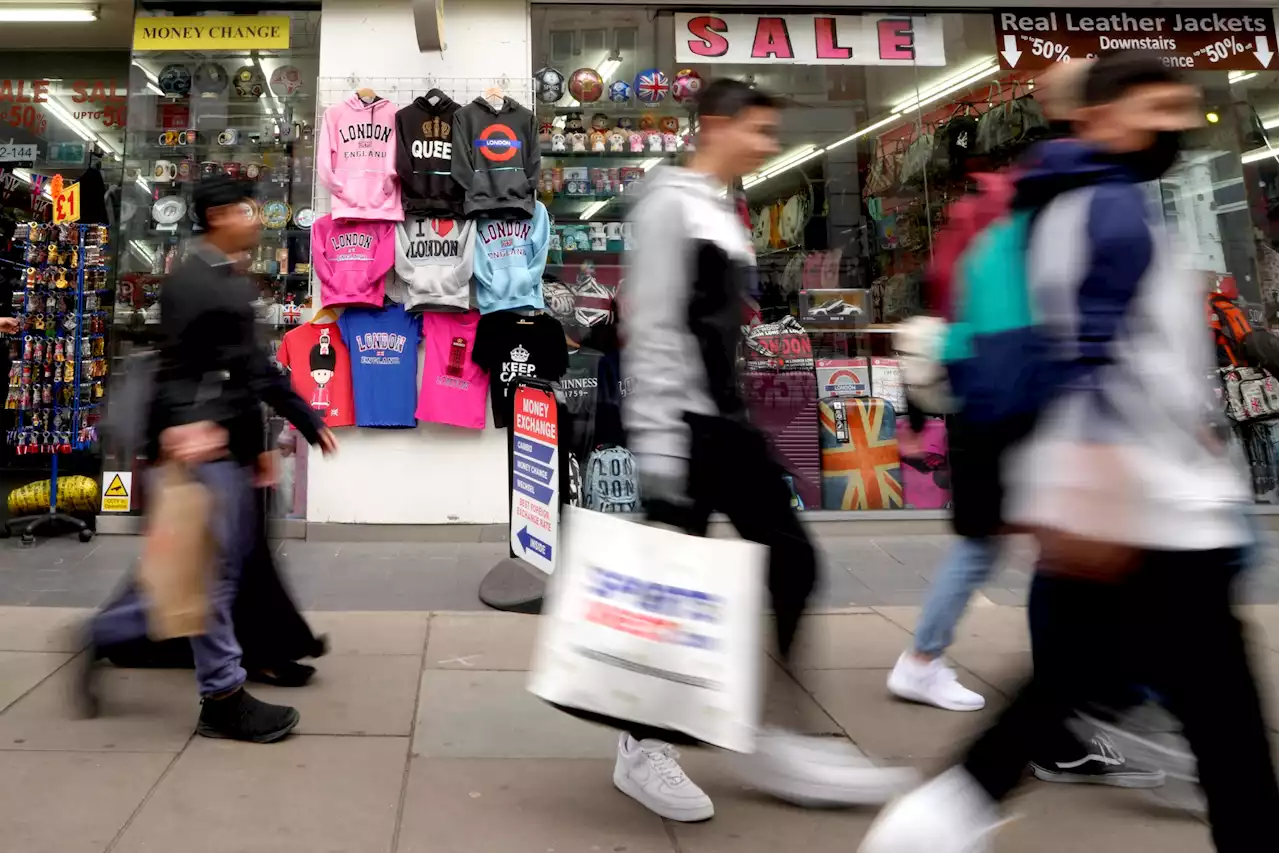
(418, 737)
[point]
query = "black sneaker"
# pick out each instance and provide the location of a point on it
(242, 717)
(1102, 764)
(85, 691)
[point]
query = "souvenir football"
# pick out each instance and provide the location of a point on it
(686, 85)
(249, 82)
(586, 85)
(211, 78)
(175, 80)
(651, 86)
(620, 92)
(285, 80)
(549, 85)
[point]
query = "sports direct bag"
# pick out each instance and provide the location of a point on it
(652, 626)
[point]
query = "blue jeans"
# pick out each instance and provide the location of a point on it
(966, 568)
(216, 652)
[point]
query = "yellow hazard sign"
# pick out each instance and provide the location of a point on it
(116, 497)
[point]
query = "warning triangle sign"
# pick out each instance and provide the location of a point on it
(116, 489)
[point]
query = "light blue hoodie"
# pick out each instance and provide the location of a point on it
(508, 260)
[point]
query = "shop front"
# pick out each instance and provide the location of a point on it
(887, 113)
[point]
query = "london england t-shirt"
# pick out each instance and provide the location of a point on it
(383, 343)
(320, 370)
(512, 347)
(453, 385)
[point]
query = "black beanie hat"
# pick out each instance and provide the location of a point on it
(217, 191)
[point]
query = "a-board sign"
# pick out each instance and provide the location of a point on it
(535, 477)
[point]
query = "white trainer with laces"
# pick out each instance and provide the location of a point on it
(821, 771)
(647, 772)
(948, 814)
(933, 683)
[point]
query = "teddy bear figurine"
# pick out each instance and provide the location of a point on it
(636, 143)
(558, 143)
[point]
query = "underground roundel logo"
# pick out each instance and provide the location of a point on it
(498, 143)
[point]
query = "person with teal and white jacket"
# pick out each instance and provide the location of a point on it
(509, 257)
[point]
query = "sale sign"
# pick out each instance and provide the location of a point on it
(1191, 39)
(885, 39)
(535, 477)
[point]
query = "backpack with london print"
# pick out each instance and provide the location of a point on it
(610, 481)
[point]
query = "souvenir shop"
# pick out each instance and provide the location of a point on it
(887, 115)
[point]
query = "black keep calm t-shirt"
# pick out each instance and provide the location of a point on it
(512, 347)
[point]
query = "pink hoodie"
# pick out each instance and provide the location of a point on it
(351, 259)
(356, 160)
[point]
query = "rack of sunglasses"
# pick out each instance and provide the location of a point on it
(59, 362)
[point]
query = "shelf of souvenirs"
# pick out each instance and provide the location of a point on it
(638, 157)
(615, 109)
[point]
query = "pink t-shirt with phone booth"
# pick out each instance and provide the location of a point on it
(453, 386)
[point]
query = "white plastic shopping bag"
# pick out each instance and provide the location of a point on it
(656, 627)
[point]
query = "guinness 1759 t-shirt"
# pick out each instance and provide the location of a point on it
(512, 347)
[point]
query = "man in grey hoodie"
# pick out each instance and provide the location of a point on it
(682, 308)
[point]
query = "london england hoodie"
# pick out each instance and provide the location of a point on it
(496, 159)
(351, 260)
(433, 259)
(355, 159)
(509, 258)
(424, 157)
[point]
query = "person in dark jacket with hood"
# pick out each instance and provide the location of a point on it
(211, 380)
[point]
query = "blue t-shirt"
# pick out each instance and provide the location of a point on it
(383, 343)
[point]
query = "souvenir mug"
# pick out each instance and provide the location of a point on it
(613, 231)
(253, 171)
(187, 137)
(230, 136)
(231, 170)
(186, 170)
(169, 137)
(164, 171)
(209, 168)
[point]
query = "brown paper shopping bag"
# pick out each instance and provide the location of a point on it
(178, 555)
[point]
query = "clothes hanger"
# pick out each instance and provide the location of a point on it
(367, 95)
(435, 96)
(495, 96)
(324, 315)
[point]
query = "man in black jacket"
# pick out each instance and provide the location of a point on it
(210, 383)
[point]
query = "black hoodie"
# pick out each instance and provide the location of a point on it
(496, 159)
(424, 157)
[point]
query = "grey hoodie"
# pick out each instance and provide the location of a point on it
(681, 312)
(433, 260)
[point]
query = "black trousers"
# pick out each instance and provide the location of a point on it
(1169, 625)
(732, 470)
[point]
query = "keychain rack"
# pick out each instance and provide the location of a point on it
(60, 356)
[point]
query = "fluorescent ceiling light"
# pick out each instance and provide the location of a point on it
(48, 14)
(77, 127)
(881, 123)
(1261, 154)
(945, 84)
(929, 98)
(592, 209)
(1241, 76)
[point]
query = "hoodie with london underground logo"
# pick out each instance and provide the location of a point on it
(356, 160)
(496, 159)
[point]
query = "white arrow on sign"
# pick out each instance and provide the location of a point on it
(1264, 51)
(1011, 52)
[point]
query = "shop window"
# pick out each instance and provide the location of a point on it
(196, 109)
(887, 118)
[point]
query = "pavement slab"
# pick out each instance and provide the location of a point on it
(71, 802)
(849, 641)
(523, 806)
(22, 671)
(302, 795)
(354, 695)
(491, 715)
(496, 641)
(381, 632)
(42, 629)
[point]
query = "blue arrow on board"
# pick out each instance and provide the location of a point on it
(529, 542)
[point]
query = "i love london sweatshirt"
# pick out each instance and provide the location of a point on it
(508, 260)
(351, 259)
(356, 160)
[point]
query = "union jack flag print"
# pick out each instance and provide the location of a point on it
(652, 86)
(860, 465)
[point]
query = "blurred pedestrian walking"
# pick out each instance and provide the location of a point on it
(211, 379)
(1136, 507)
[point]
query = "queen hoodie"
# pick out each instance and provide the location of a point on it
(424, 157)
(496, 159)
(509, 258)
(433, 260)
(356, 160)
(351, 259)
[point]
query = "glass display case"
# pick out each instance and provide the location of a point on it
(247, 113)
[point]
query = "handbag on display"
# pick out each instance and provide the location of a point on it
(651, 626)
(1250, 393)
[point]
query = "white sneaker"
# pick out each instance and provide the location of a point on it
(647, 772)
(949, 814)
(821, 771)
(933, 683)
